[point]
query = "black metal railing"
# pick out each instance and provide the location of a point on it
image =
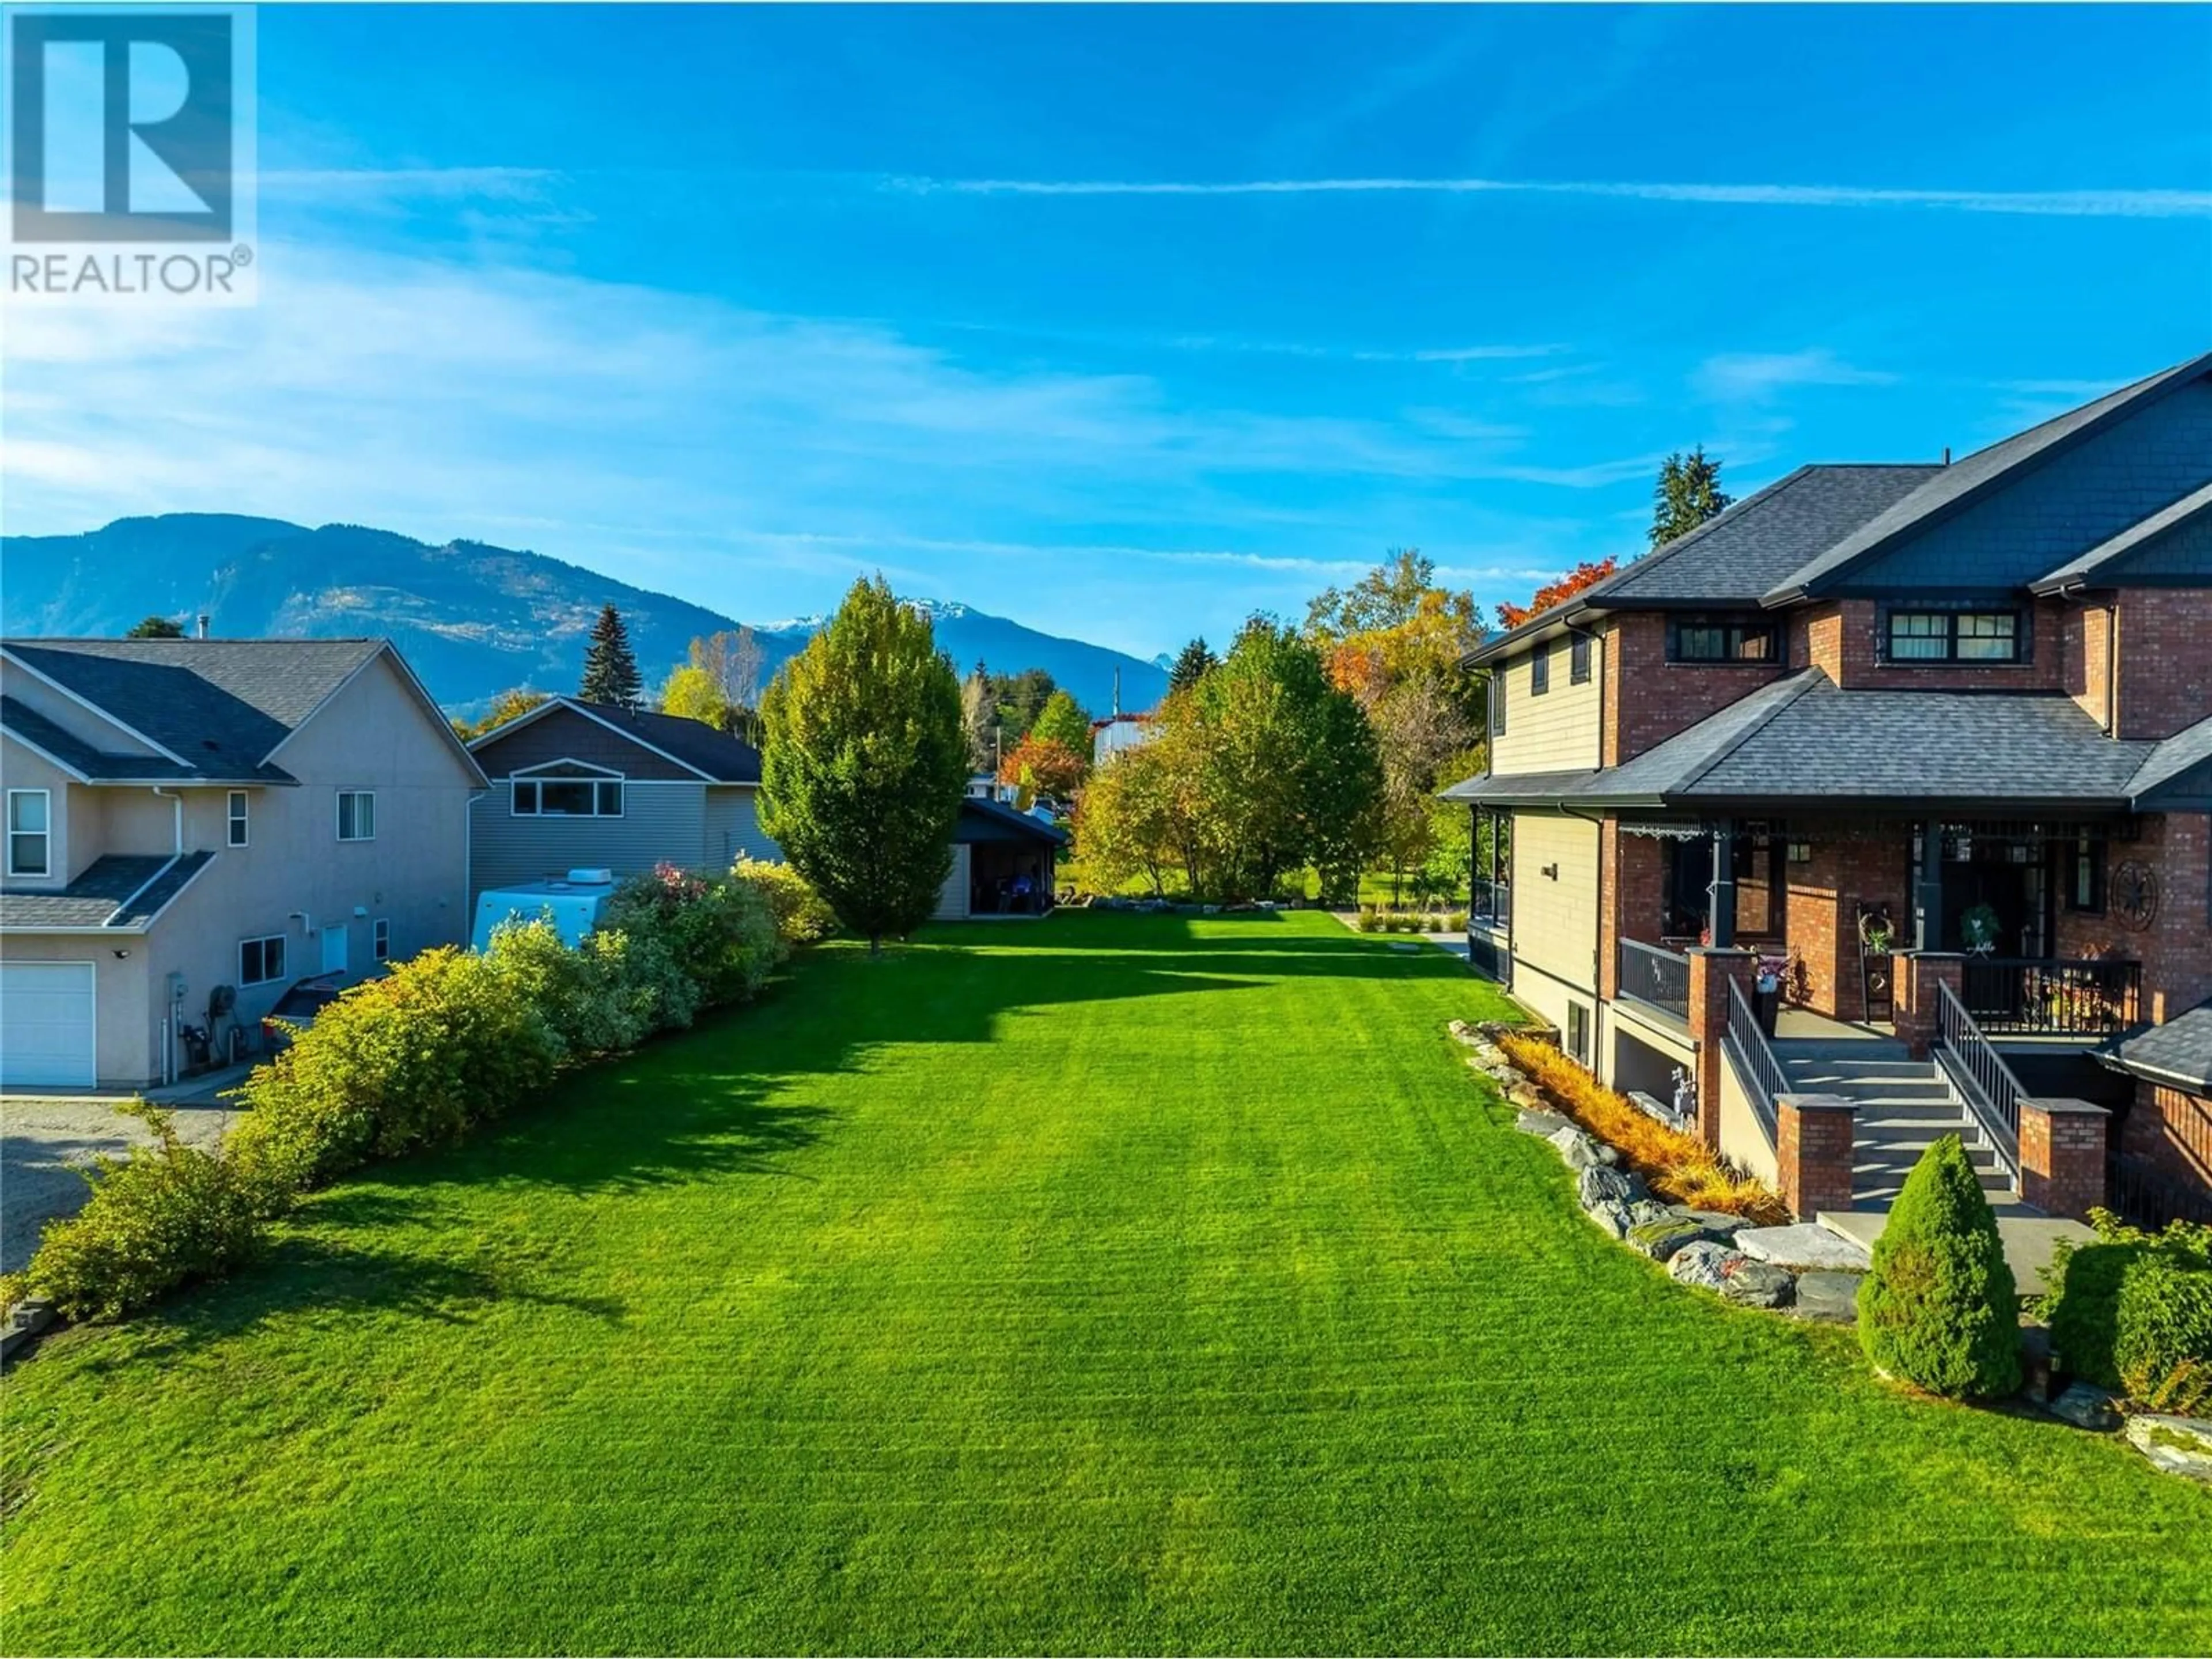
(2032, 996)
(1979, 1073)
(1491, 902)
(1746, 1047)
(1659, 977)
(1489, 957)
(2141, 1193)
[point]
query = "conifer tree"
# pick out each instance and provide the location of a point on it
(1687, 494)
(610, 671)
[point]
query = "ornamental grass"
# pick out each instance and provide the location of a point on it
(1679, 1169)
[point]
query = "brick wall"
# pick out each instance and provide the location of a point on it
(1842, 638)
(1813, 1141)
(1849, 865)
(1633, 876)
(2172, 1128)
(1649, 699)
(2165, 660)
(2176, 949)
(2086, 646)
(2061, 1156)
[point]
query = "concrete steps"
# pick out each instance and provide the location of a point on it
(1905, 1107)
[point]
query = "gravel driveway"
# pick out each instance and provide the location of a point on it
(44, 1139)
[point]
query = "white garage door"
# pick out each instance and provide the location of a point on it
(47, 1023)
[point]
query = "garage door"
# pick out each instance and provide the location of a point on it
(47, 1023)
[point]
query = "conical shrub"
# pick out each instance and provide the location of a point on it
(1939, 1309)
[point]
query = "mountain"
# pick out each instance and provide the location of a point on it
(472, 619)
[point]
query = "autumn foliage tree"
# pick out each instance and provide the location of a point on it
(1042, 766)
(1588, 573)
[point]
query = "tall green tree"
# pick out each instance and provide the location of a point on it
(1190, 665)
(156, 627)
(864, 762)
(1062, 721)
(1687, 494)
(609, 669)
(693, 693)
(1020, 699)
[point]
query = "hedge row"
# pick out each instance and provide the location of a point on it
(441, 1042)
(2133, 1312)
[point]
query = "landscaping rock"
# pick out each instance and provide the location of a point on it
(2179, 1445)
(1829, 1298)
(1545, 1124)
(1754, 1283)
(2086, 1405)
(1523, 1096)
(1614, 1217)
(1807, 1245)
(1577, 1148)
(1703, 1262)
(1644, 1211)
(1660, 1240)
(1718, 1223)
(1601, 1185)
(1463, 1032)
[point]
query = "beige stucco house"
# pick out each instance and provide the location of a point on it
(186, 815)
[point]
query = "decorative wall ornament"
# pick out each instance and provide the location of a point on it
(2133, 895)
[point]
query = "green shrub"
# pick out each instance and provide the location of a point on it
(603, 997)
(721, 933)
(1939, 1308)
(166, 1215)
(2133, 1312)
(1370, 922)
(802, 916)
(443, 1041)
(1455, 922)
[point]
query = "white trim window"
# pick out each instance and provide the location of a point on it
(565, 789)
(261, 961)
(237, 817)
(30, 832)
(380, 938)
(356, 815)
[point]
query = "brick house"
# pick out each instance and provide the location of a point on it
(1924, 751)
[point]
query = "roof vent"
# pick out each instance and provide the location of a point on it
(591, 878)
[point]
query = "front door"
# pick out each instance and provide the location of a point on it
(334, 949)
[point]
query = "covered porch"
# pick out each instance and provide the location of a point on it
(1832, 901)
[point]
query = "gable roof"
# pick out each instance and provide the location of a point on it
(1734, 557)
(217, 710)
(1980, 474)
(1804, 739)
(2084, 569)
(2165, 782)
(714, 754)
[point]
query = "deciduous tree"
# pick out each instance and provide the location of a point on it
(156, 627)
(1063, 721)
(1585, 574)
(865, 762)
(507, 706)
(1045, 766)
(692, 693)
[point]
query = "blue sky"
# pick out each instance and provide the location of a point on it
(1125, 322)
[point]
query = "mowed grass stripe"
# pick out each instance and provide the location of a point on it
(1112, 1283)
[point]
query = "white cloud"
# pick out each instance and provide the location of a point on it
(1746, 376)
(2073, 203)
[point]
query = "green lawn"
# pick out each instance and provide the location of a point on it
(1111, 1283)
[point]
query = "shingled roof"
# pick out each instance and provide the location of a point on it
(2179, 1051)
(125, 892)
(1806, 739)
(218, 707)
(716, 756)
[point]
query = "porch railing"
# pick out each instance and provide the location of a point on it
(2030, 996)
(1491, 902)
(1992, 1093)
(1748, 1048)
(2141, 1193)
(1659, 977)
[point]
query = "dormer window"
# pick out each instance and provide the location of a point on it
(1756, 640)
(1990, 634)
(566, 789)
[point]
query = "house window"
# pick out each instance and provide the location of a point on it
(1539, 671)
(2085, 882)
(1579, 659)
(379, 939)
(30, 832)
(1724, 640)
(238, 817)
(1579, 1039)
(1497, 704)
(261, 960)
(356, 815)
(568, 798)
(1969, 637)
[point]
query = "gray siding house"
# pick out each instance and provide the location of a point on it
(583, 784)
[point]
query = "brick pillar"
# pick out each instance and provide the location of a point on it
(2061, 1154)
(1918, 974)
(1813, 1141)
(1711, 969)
